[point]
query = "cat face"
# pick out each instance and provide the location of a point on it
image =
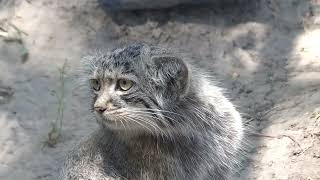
(135, 90)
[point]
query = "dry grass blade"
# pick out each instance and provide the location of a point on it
(55, 132)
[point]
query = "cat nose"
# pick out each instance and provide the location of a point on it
(105, 107)
(100, 109)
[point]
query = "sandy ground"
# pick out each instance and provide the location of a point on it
(266, 54)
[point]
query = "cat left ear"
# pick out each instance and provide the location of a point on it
(174, 72)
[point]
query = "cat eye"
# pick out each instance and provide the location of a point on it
(125, 84)
(95, 84)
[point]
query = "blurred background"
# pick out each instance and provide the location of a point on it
(266, 53)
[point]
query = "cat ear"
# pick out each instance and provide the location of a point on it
(173, 72)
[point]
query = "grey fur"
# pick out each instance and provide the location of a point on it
(176, 123)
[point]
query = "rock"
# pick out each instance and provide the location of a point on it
(5, 94)
(153, 4)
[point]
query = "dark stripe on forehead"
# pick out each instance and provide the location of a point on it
(104, 64)
(126, 65)
(127, 68)
(130, 52)
(130, 71)
(133, 52)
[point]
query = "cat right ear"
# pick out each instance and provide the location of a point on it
(173, 72)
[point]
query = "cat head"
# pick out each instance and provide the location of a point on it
(136, 88)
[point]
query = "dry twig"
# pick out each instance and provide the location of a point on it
(275, 137)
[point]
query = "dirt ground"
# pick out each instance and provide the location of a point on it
(266, 53)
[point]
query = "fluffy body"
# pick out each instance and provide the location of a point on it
(174, 123)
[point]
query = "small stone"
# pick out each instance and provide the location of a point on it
(5, 94)
(316, 156)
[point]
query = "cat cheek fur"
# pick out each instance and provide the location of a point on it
(173, 73)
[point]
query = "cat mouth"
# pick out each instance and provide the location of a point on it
(110, 116)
